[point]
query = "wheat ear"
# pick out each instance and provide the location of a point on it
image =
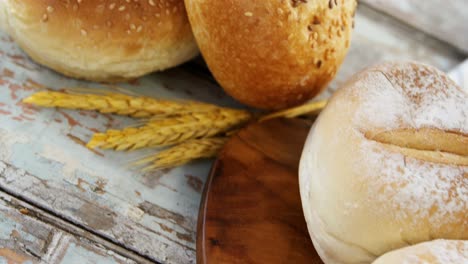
(116, 103)
(183, 153)
(170, 131)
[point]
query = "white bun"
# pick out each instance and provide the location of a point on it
(101, 40)
(433, 252)
(386, 164)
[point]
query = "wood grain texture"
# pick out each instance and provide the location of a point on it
(28, 236)
(251, 211)
(445, 20)
(378, 38)
(43, 160)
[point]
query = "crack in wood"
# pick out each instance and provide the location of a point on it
(41, 214)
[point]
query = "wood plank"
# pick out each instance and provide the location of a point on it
(26, 235)
(460, 74)
(377, 38)
(445, 20)
(43, 160)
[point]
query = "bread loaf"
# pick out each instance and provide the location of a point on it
(386, 164)
(433, 252)
(272, 54)
(101, 40)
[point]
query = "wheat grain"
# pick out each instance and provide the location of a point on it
(115, 103)
(170, 131)
(183, 153)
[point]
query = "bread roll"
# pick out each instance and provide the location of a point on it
(101, 40)
(272, 54)
(433, 252)
(386, 164)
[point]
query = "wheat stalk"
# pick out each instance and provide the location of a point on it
(170, 131)
(191, 125)
(183, 153)
(309, 108)
(116, 103)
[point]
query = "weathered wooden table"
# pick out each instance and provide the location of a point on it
(62, 203)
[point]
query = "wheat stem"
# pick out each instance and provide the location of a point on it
(170, 131)
(304, 109)
(116, 103)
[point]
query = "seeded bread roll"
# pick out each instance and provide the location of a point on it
(272, 54)
(433, 252)
(101, 40)
(386, 164)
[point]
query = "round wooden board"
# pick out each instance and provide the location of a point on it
(251, 209)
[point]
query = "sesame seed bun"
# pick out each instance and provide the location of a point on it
(272, 54)
(102, 40)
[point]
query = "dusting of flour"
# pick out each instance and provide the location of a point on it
(418, 97)
(441, 252)
(413, 190)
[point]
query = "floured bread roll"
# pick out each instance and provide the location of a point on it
(101, 40)
(386, 164)
(433, 252)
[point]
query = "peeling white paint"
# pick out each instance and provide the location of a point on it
(39, 161)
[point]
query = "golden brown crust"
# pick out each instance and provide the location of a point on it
(90, 39)
(272, 54)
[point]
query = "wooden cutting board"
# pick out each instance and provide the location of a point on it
(251, 209)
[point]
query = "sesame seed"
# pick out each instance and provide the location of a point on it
(319, 64)
(112, 6)
(249, 14)
(45, 17)
(151, 2)
(121, 8)
(83, 32)
(50, 9)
